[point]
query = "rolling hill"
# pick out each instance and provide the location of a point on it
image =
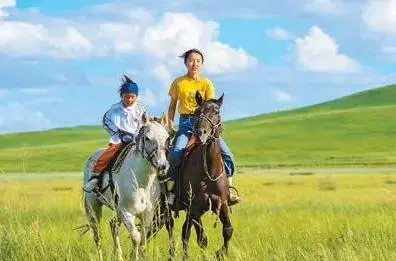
(359, 129)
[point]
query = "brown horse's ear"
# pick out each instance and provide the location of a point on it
(220, 100)
(145, 118)
(198, 98)
(163, 120)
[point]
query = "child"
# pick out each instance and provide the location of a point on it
(122, 121)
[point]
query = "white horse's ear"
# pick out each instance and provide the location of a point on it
(163, 119)
(145, 118)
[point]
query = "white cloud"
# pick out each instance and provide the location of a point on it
(380, 16)
(238, 9)
(223, 58)
(149, 98)
(177, 32)
(163, 40)
(278, 33)
(26, 39)
(17, 116)
(161, 72)
(317, 51)
(140, 14)
(164, 76)
(322, 6)
(282, 96)
(6, 4)
(117, 38)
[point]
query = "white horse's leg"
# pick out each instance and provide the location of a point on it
(129, 221)
(93, 211)
(146, 220)
(114, 226)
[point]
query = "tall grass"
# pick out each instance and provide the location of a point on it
(282, 217)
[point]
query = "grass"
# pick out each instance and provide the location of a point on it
(356, 130)
(282, 217)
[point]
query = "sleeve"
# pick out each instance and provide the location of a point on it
(210, 91)
(108, 125)
(173, 90)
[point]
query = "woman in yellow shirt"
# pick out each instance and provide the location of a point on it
(182, 93)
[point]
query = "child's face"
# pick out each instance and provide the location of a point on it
(128, 99)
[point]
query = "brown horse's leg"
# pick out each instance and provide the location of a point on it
(227, 230)
(169, 223)
(202, 239)
(186, 232)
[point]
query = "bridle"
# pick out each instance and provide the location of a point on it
(216, 129)
(149, 156)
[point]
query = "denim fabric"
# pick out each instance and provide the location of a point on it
(186, 124)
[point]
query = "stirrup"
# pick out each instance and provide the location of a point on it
(170, 199)
(234, 201)
(163, 179)
(237, 198)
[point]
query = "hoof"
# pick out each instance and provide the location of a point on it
(220, 254)
(203, 243)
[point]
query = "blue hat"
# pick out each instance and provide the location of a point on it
(129, 86)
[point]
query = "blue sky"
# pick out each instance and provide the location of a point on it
(61, 62)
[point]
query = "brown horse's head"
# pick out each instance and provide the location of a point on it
(208, 125)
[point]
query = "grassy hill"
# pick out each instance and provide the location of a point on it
(355, 130)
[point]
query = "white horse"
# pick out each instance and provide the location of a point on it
(136, 189)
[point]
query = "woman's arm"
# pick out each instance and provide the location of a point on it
(171, 113)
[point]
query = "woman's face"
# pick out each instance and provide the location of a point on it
(128, 99)
(194, 63)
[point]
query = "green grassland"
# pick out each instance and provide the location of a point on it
(282, 217)
(357, 130)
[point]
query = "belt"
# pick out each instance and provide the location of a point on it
(187, 115)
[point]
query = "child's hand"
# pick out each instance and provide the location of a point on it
(125, 136)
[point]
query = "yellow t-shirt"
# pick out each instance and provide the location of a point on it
(184, 88)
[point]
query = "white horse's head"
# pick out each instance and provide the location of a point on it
(152, 142)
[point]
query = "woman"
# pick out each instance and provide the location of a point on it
(182, 93)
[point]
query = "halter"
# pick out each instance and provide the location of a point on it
(148, 156)
(214, 127)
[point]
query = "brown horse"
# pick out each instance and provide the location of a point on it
(203, 180)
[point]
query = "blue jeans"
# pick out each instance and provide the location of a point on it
(186, 124)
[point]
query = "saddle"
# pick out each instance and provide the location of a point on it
(112, 168)
(116, 162)
(192, 142)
